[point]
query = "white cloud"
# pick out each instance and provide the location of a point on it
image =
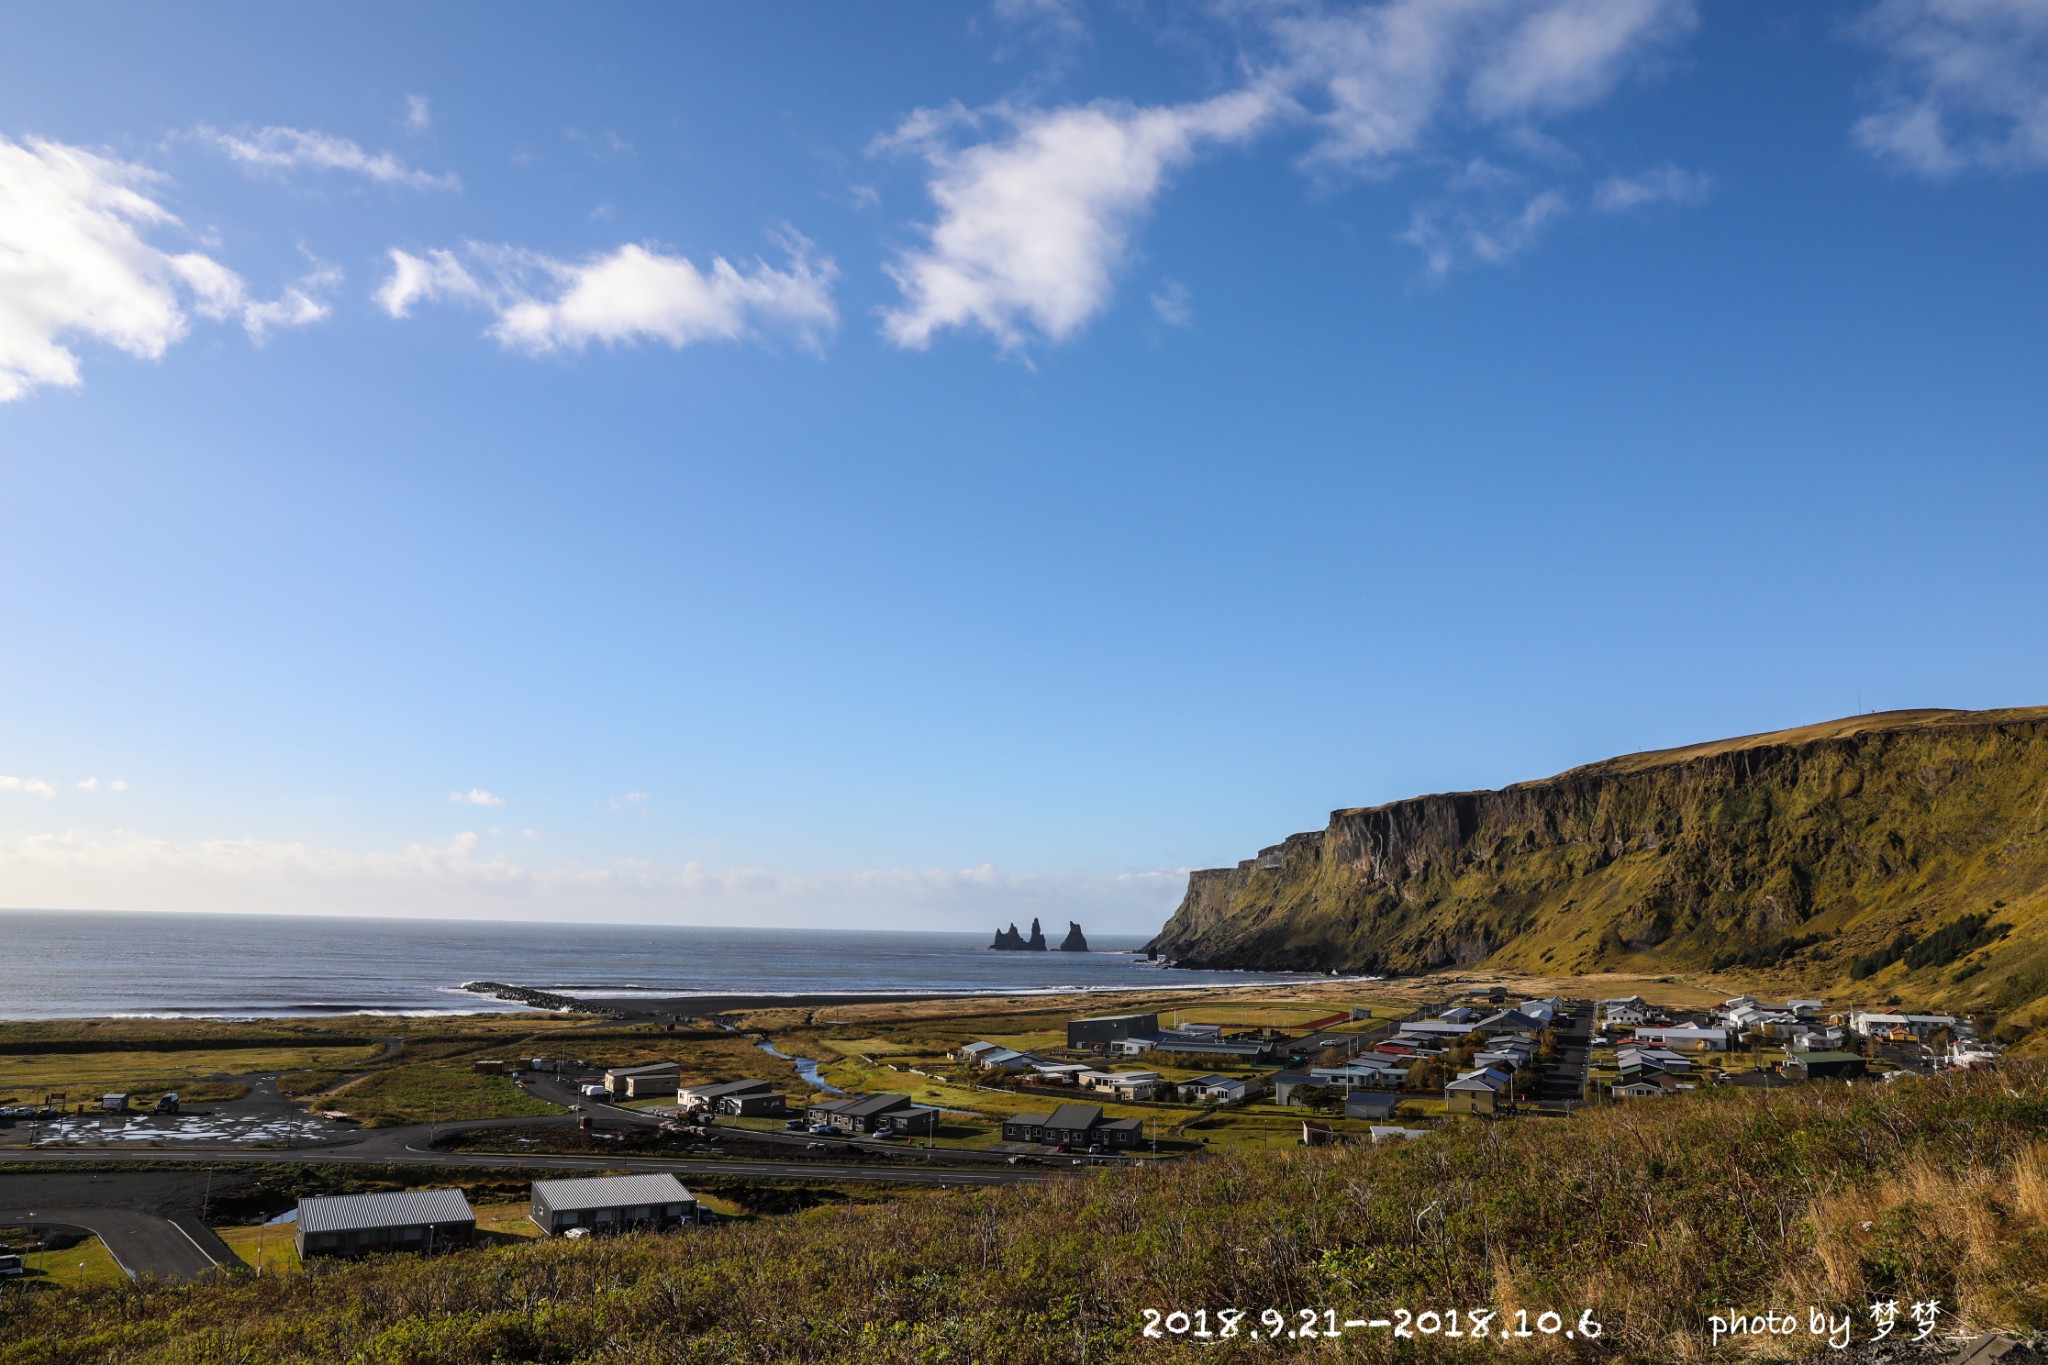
(117, 785)
(1966, 85)
(288, 149)
(630, 801)
(76, 262)
(1172, 302)
(1034, 222)
(529, 834)
(86, 784)
(632, 294)
(419, 115)
(1659, 185)
(122, 869)
(27, 786)
(1032, 227)
(476, 796)
(1488, 229)
(1386, 75)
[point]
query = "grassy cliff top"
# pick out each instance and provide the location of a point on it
(1874, 723)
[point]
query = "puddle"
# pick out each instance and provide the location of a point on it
(115, 1130)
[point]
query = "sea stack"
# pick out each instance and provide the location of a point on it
(1036, 943)
(1008, 940)
(1075, 941)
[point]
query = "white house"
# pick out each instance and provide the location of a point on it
(1219, 1089)
(1125, 1085)
(1689, 1036)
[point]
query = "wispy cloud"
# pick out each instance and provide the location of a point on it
(1965, 85)
(27, 786)
(635, 293)
(1490, 228)
(1173, 303)
(630, 801)
(1665, 184)
(279, 150)
(476, 796)
(419, 115)
(1036, 208)
(1033, 225)
(1383, 78)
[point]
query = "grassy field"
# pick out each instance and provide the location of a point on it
(1643, 1218)
(84, 1264)
(88, 1075)
(428, 1094)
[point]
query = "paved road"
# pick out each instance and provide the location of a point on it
(1567, 1080)
(147, 1220)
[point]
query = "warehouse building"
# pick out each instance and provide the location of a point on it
(1076, 1126)
(404, 1220)
(742, 1099)
(876, 1115)
(612, 1203)
(643, 1082)
(1105, 1029)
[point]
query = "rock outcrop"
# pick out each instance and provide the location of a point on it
(1797, 852)
(1010, 941)
(1075, 941)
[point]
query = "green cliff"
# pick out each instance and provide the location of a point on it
(1904, 853)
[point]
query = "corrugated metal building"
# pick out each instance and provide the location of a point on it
(639, 1082)
(404, 1220)
(743, 1098)
(612, 1203)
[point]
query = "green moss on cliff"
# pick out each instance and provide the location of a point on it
(1805, 848)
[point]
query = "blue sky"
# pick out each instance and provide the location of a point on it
(923, 465)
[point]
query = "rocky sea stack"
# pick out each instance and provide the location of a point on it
(1075, 941)
(1010, 941)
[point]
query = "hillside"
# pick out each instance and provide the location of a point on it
(1899, 854)
(1643, 1218)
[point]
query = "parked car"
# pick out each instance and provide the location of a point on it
(10, 1265)
(797, 1124)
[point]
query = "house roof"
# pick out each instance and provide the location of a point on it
(1215, 1078)
(1074, 1116)
(1028, 1120)
(1809, 1058)
(863, 1106)
(610, 1192)
(646, 1069)
(982, 1047)
(721, 1089)
(1362, 1106)
(369, 1212)
(1477, 1081)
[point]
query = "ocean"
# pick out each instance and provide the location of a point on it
(74, 964)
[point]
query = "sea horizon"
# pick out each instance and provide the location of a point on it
(242, 964)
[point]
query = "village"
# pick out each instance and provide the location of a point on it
(1127, 1086)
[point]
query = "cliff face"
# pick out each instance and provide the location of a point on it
(1795, 852)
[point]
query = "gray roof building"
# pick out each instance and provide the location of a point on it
(611, 1202)
(414, 1220)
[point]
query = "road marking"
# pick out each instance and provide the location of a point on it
(195, 1245)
